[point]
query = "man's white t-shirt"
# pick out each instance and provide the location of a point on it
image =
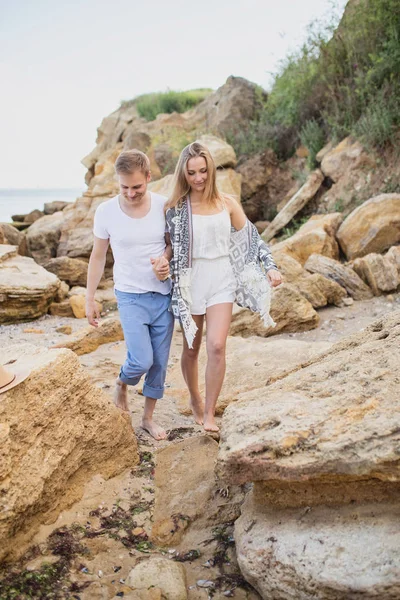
(134, 242)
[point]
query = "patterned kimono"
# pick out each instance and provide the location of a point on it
(250, 259)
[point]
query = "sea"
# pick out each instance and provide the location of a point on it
(23, 201)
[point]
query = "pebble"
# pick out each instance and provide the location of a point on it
(204, 583)
(32, 330)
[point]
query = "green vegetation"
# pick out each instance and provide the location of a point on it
(151, 105)
(343, 82)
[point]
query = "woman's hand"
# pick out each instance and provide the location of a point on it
(160, 267)
(274, 277)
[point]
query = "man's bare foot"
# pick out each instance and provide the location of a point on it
(210, 424)
(121, 396)
(197, 407)
(157, 432)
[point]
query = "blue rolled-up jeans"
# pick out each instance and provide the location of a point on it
(148, 326)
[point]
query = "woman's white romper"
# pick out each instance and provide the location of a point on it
(213, 281)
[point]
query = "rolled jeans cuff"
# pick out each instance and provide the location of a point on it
(129, 380)
(151, 392)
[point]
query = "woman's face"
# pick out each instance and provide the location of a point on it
(196, 173)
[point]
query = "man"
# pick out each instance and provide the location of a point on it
(133, 223)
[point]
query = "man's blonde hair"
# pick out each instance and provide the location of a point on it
(181, 188)
(130, 161)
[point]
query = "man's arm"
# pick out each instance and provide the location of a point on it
(97, 263)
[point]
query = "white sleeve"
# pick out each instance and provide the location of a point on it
(100, 225)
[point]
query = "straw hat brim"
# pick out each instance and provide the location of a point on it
(20, 376)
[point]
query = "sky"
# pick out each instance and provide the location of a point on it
(64, 66)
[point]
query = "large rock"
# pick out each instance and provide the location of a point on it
(185, 483)
(347, 156)
(341, 274)
(251, 363)
(316, 288)
(334, 419)
(55, 206)
(372, 227)
(10, 235)
(321, 552)
(223, 154)
(58, 430)
(43, 236)
(289, 309)
(316, 236)
(71, 270)
(295, 204)
(380, 273)
(321, 445)
(89, 338)
(161, 573)
(26, 289)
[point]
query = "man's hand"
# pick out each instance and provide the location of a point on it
(160, 267)
(92, 312)
(274, 277)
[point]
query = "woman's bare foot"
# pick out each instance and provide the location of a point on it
(157, 432)
(210, 424)
(197, 407)
(121, 396)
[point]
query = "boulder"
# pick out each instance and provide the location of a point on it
(251, 363)
(26, 289)
(78, 305)
(61, 308)
(372, 227)
(55, 206)
(11, 235)
(185, 484)
(321, 444)
(347, 156)
(58, 430)
(295, 204)
(319, 552)
(341, 274)
(379, 272)
(105, 297)
(43, 236)
(71, 270)
(316, 236)
(33, 216)
(334, 419)
(223, 154)
(162, 573)
(88, 339)
(289, 309)
(62, 292)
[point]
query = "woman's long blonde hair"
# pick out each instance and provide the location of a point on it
(181, 188)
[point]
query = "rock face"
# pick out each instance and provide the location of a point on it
(223, 154)
(321, 445)
(26, 289)
(290, 310)
(295, 204)
(43, 236)
(185, 484)
(346, 156)
(58, 430)
(372, 227)
(251, 363)
(344, 276)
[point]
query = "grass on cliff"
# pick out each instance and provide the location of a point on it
(151, 105)
(345, 80)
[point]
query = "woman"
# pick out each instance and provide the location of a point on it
(211, 268)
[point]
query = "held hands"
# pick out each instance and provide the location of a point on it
(92, 312)
(160, 267)
(274, 277)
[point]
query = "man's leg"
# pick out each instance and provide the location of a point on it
(161, 330)
(134, 321)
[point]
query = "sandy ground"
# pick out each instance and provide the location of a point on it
(107, 559)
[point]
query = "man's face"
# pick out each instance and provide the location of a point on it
(133, 187)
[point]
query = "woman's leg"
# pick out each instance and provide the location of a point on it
(218, 318)
(190, 370)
